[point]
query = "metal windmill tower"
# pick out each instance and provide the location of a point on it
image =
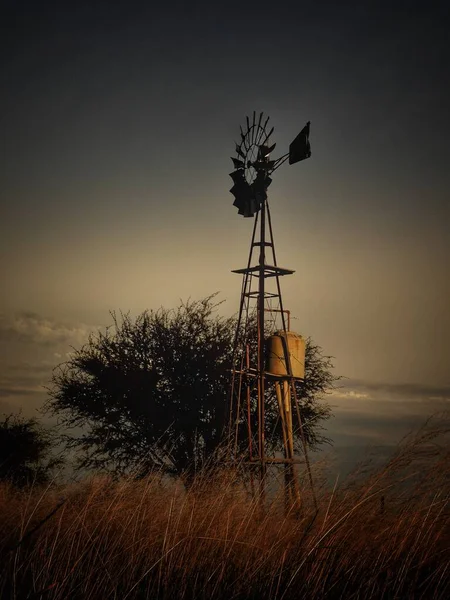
(268, 359)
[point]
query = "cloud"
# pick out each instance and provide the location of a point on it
(408, 392)
(30, 347)
(22, 385)
(29, 327)
(16, 398)
(366, 412)
(13, 390)
(339, 393)
(392, 401)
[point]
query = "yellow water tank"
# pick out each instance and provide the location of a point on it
(276, 347)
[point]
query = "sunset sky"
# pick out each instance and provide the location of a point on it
(118, 120)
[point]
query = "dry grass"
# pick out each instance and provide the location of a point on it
(384, 535)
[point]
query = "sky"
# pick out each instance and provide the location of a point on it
(118, 121)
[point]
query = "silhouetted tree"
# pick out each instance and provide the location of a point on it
(154, 391)
(24, 451)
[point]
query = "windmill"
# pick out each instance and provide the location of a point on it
(268, 358)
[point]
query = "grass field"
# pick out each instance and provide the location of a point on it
(382, 534)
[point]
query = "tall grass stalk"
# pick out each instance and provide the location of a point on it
(383, 534)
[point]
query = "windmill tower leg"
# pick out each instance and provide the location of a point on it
(292, 490)
(288, 416)
(261, 342)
